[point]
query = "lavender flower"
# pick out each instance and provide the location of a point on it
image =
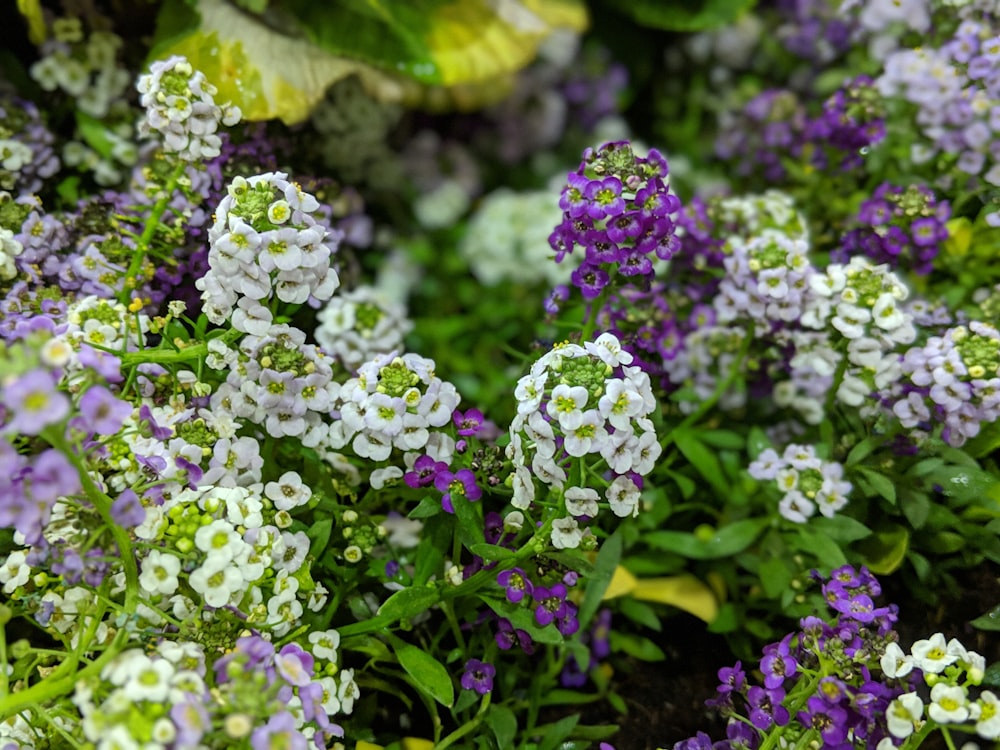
(478, 676)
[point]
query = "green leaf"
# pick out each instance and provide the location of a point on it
(724, 542)
(879, 484)
(640, 613)
(757, 442)
(825, 549)
(408, 602)
(840, 528)
(724, 439)
(95, 133)
(426, 508)
(557, 732)
(490, 552)
(991, 678)
(523, 618)
(686, 15)
(863, 449)
(428, 674)
(702, 459)
(685, 484)
(503, 723)
(916, 506)
(435, 540)
(964, 483)
(885, 550)
(775, 575)
(636, 645)
(988, 621)
(607, 560)
(319, 536)
(469, 515)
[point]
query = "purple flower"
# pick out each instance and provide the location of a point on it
(294, 665)
(33, 403)
(551, 603)
(766, 708)
(469, 423)
(478, 676)
(777, 663)
(107, 365)
(460, 484)
(700, 741)
(516, 582)
(102, 411)
(829, 720)
(605, 197)
(191, 719)
(567, 622)
(508, 636)
(279, 732)
(425, 469)
(127, 510)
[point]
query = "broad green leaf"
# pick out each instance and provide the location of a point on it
(557, 732)
(840, 528)
(725, 439)
(730, 539)
(429, 675)
(684, 15)
(685, 484)
(319, 536)
(863, 449)
(490, 552)
(435, 540)
(702, 458)
(825, 549)
(599, 579)
(266, 73)
(775, 574)
(636, 645)
(503, 724)
(757, 442)
(885, 550)
(469, 515)
(640, 613)
(988, 621)
(408, 602)
(465, 47)
(874, 482)
(965, 483)
(427, 507)
(686, 592)
(916, 506)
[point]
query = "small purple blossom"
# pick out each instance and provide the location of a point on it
(517, 584)
(425, 470)
(461, 483)
(551, 603)
(279, 732)
(102, 411)
(469, 423)
(33, 402)
(478, 676)
(127, 510)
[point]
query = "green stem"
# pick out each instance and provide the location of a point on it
(590, 324)
(838, 378)
(131, 280)
(166, 356)
(102, 503)
(467, 727)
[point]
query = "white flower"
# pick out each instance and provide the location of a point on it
(609, 349)
(524, 488)
(288, 492)
(566, 405)
(894, 662)
(150, 680)
(216, 580)
(566, 534)
(581, 501)
(219, 539)
(988, 721)
(932, 655)
(886, 314)
(14, 572)
(948, 704)
(904, 714)
(325, 644)
(159, 573)
(348, 691)
(623, 496)
(513, 521)
(587, 437)
(619, 403)
(796, 507)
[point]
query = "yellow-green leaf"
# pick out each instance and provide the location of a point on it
(685, 592)
(32, 12)
(885, 550)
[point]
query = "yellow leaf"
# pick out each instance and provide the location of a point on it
(622, 583)
(417, 743)
(365, 745)
(265, 73)
(685, 592)
(959, 237)
(32, 12)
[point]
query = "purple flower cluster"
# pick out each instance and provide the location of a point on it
(955, 89)
(814, 30)
(27, 156)
(954, 381)
(30, 486)
(825, 671)
(617, 207)
(902, 227)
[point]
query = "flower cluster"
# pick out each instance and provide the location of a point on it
(955, 92)
(617, 207)
(396, 401)
(180, 107)
(507, 238)
(359, 324)
(278, 381)
(264, 244)
(901, 227)
(806, 481)
(847, 683)
(177, 697)
(27, 156)
(583, 402)
(954, 381)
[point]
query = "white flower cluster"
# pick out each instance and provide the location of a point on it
(279, 381)
(806, 481)
(10, 248)
(507, 239)
(396, 401)
(708, 355)
(859, 302)
(949, 701)
(221, 547)
(357, 325)
(180, 105)
(265, 243)
(583, 402)
(104, 323)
